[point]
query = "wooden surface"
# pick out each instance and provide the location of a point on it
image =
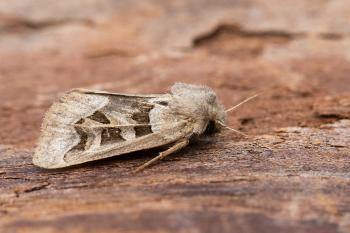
(291, 175)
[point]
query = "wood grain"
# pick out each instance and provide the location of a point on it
(291, 175)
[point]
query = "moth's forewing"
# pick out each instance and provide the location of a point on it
(82, 126)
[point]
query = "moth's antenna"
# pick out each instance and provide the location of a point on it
(234, 107)
(234, 130)
(244, 101)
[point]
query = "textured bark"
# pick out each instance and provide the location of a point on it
(291, 175)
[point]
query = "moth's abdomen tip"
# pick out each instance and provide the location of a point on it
(45, 165)
(37, 161)
(42, 161)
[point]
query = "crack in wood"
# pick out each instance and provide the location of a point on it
(232, 38)
(15, 24)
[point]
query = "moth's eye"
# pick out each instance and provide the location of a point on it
(164, 103)
(210, 128)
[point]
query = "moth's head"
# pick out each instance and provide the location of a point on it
(201, 103)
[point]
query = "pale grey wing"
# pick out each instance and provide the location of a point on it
(87, 125)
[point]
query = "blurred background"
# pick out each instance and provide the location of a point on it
(295, 52)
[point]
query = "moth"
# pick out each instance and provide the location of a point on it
(86, 125)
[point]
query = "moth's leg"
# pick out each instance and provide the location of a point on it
(179, 145)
